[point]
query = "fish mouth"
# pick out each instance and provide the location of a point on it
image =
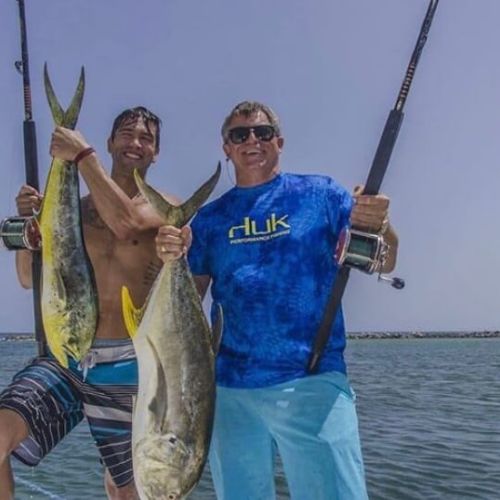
(158, 491)
(162, 467)
(155, 485)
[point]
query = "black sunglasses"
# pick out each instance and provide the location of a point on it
(239, 135)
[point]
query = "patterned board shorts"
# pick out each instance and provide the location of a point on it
(53, 400)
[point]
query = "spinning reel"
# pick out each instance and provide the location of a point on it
(366, 252)
(20, 233)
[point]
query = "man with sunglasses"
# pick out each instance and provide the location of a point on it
(266, 246)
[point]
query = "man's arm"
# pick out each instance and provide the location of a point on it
(371, 214)
(124, 216)
(28, 200)
(173, 243)
(23, 268)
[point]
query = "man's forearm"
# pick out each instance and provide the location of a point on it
(115, 208)
(24, 262)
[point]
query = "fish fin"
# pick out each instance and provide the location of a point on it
(59, 353)
(153, 406)
(132, 315)
(217, 328)
(69, 117)
(177, 215)
(60, 287)
(158, 410)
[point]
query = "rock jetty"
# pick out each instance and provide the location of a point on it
(424, 335)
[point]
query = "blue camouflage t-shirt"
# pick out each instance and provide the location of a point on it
(269, 250)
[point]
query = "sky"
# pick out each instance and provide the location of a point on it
(332, 70)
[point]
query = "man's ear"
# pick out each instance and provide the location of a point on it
(281, 142)
(226, 149)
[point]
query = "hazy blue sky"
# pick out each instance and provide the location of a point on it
(331, 69)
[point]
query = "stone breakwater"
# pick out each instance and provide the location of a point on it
(424, 335)
(16, 337)
(24, 337)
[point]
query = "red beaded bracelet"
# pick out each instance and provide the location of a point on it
(82, 154)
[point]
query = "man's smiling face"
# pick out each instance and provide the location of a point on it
(133, 145)
(255, 160)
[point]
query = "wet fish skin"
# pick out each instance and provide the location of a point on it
(174, 409)
(171, 431)
(69, 297)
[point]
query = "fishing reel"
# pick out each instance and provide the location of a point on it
(20, 233)
(366, 252)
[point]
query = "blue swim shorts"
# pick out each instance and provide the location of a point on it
(53, 400)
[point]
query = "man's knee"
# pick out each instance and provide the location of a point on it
(13, 430)
(114, 493)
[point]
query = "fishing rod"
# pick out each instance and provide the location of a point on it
(31, 172)
(357, 249)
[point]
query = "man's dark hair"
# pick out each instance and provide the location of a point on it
(247, 109)
(133, 114)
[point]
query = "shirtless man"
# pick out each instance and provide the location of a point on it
(119, 228)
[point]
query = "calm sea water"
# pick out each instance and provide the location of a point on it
(429, 414)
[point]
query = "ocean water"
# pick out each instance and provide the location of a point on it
(429, 412)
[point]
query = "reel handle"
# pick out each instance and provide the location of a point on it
(397, 283)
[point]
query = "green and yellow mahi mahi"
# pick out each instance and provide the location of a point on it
(173, 412)
(69, 297)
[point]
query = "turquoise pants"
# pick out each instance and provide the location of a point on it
(311, 422)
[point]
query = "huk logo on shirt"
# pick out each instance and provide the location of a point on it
(251, 230)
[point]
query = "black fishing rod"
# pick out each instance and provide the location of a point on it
(31, 172)
(372, 187)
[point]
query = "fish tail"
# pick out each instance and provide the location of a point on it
(177, 215)
(69, 117)
(131, 315)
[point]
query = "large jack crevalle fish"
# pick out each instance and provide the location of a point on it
(173, 412)
(69, 297)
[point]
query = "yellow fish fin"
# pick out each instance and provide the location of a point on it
(59, 353)
(131, 315)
